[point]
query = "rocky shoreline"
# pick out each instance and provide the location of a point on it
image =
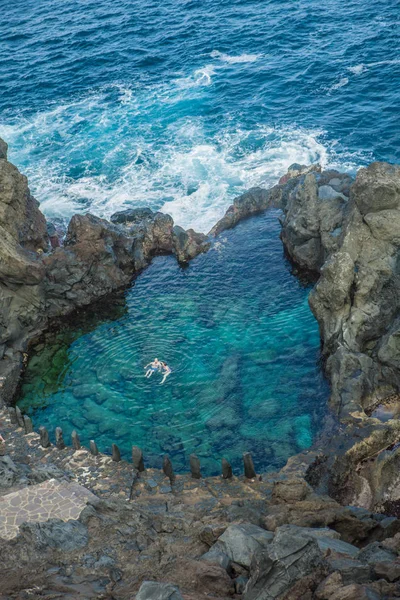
(190, 532)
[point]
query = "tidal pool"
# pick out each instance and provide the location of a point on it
(243, 346)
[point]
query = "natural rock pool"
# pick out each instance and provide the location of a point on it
(243, 346)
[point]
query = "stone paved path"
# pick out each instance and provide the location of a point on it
(36, 503)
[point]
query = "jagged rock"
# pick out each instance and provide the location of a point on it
(377, 188)
(188, 244)
(132, 215)
(43, 472)
(152, 590)
(289, 491)
(287, 559)
(210, 533)
(376, 553)
(200, 576)
(312, 223)
(328, 540)
(8, 472)
(68, 537)
(241, 542)
(351, 570)
(215, 556)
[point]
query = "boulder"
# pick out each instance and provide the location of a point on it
(290, 491)
(132, 215)
(188, 244)
(377, 188)
(153, 590)
(241, 542)
(351, 570)
(288, 559)
(375, 552)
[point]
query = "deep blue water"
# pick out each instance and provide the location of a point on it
(242, 344)
(183, 104)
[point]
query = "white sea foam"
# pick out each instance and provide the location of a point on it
(104, 155)
(357, 69)
(341, 83)
(200, 77)
(361, 68)
(242, 58)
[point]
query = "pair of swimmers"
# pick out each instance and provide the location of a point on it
(157, 365)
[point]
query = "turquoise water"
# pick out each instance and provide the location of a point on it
(182, 104)
(243, 346)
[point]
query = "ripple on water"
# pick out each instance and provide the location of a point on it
(243, 346)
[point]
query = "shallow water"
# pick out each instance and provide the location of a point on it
(181, 105)
(235, 328)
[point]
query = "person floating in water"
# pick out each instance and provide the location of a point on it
(153, 367)
(165, 370)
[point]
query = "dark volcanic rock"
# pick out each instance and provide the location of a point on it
(55, 534)
(289, 558)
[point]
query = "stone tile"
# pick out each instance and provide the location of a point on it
(37, 503)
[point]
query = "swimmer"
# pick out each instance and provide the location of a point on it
(152, 367)
(165, 371)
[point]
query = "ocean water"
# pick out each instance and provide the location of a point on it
(243, 346)
(183, 104)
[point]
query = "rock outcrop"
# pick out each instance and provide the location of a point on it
(357, 298)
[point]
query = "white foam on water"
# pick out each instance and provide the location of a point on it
(242, 58)
(357, 69)
(200, 77)
(341, 83)
(361, 68)
(125, 147)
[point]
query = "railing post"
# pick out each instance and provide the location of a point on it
(226, 469)
(195, 466)
(93, 448)
(28, 424)
(44, 437)
(137, 459)
(249, 470)
(167, 468)
(76, 442)
(59, 439)
(116, 454)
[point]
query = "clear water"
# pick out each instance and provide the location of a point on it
(183, 104)
(235, 328)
